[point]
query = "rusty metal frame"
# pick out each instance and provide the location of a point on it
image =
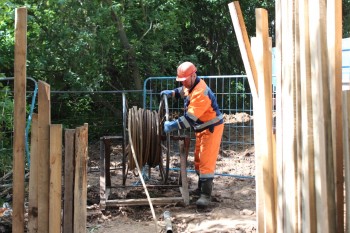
(105, 178)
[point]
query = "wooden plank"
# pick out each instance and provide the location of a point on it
(144, 201)
(244, 46)
(55, 178)
(307, 164)
(289, 151)
(298, 118)
(103, 194)
(107, 151)
(324, 172)
(346, 146)
(19, 119)
(334, 45)
(183, 164)
(33, 178)
(44, 121)
(262, 57)
(68, 205)
(273, 140)
(279, 131)
(259, 180)
(80, 180)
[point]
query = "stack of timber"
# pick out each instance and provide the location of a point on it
(300, 169)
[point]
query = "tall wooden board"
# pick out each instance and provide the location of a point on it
(55, 178)
(33, 178)
(308, 205)
(19, 119)
(80, 183)
(44, 121)
(334, 45)
(68, 204)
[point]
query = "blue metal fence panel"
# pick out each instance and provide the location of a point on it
(233, 96)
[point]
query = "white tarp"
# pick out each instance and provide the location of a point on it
(345, 63)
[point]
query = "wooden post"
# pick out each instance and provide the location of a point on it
(80, 183)
(307, 163)
(19, 119)
(263, 124)
(279, 132)
(55, 178)
(44, 121)
(288, 114)
(322, 124)
(103, 189)
(334, 45)
(68, 204)
(183, 165)
(33, 178)
(259, 179)
(346, 138)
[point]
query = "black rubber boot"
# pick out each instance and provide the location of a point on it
(197, 191)
(205, 196)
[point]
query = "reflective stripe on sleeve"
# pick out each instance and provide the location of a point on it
(192, 117)
(208, 123)
(184, 121)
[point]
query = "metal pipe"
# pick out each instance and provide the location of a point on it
(217, 174)
(167, 220)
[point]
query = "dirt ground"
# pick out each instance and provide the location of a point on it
(232, 208)
(233, 198)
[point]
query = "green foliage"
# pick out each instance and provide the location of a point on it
(6, 38)
(78, 45)
(6, 128)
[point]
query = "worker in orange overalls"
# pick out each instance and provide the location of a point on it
(203, 115)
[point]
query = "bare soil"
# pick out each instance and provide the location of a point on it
(233, 198)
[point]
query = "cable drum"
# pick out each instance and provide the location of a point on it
(145, 134)
(145, 128)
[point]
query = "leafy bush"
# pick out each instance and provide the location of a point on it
(6, 125)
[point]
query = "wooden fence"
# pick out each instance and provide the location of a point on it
(45, 212)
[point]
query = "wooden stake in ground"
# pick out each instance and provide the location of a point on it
(44, 121)
(33, 178)
(80, 184)
(55, 178)
(19, 119)
(68, 206)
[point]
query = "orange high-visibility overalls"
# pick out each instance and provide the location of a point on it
(203, 115)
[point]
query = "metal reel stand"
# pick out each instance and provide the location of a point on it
(162, 139)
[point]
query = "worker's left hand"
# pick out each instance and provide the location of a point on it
(170, 126)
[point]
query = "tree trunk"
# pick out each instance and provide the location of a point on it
(134, 70)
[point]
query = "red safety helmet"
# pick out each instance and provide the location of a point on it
(185, 70)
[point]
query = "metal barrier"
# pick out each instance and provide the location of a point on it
(233, 96)
(6, 114)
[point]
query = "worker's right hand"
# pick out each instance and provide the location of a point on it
(168, 93)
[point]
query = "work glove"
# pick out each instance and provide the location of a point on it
(170, 126)
(168, 93)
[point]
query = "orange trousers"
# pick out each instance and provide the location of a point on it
(207, 150)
